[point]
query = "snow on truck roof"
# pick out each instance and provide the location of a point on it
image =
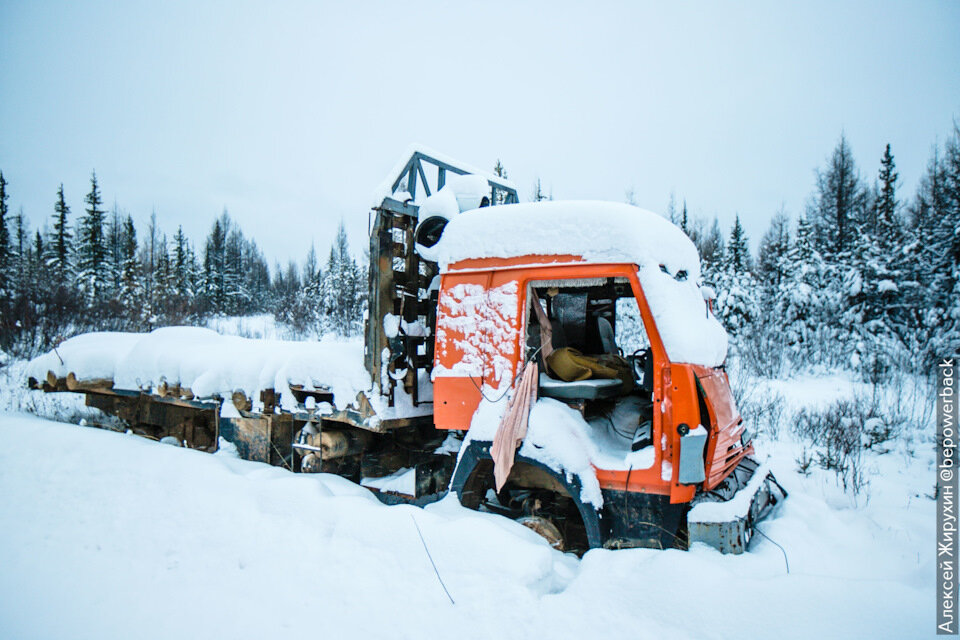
(597, 231)
(600, 232)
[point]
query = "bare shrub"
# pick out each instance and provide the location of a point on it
(763, 411)
(804, 462)
(761, 350)
(836, 435)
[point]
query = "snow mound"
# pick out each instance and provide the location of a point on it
(93, 517)
(209, 363)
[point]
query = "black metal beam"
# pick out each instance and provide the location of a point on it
(414, 168)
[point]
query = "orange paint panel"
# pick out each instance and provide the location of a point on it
(456, 399)
(722, 454)
(490, 264)
(722, 406)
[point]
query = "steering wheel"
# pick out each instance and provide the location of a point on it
(638, 360)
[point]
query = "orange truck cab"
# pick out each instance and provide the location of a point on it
(659, 458)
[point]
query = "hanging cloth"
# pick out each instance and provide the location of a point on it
(513, 425)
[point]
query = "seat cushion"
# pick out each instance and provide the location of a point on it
(593, 389)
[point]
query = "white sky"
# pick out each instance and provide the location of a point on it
(289, 115)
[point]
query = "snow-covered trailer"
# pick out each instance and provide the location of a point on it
(630, 435)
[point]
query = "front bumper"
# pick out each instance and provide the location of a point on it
(725, 517)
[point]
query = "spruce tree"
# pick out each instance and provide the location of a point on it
(184, 278)
(181, 265)
(800, 298)
(887, 245)
(872, 309)
(926, 282)
(256, 278)
(774, 247)
(737, 295)
(341, 288)
(39, 280)
(149, 257)
(838, 203)
(213, 287)
(131, 287)
(5, 285)
(164, 307)
(887, 225)
(92, 249)
(61, 242)
(711, 252)
(934, 255)
(237, 296)
(114, 240)
(950, 237)
(21, 255)
(738, 250)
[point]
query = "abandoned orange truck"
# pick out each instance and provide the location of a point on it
(629, 432)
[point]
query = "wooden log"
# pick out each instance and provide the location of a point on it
(97, 384)
(52, 383)
(337, 443)
(241, 401)
(167, 390)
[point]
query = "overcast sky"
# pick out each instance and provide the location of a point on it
(289, 115)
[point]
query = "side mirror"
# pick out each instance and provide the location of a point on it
(709, 295)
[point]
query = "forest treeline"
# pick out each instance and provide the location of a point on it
(95, 272)
(864, 278)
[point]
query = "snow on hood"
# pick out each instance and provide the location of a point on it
(601, 232)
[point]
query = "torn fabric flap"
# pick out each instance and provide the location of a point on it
(513, 426)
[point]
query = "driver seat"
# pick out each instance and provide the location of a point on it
(607, 337)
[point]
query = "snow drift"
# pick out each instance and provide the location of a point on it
(209, 363)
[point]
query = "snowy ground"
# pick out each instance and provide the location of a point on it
(263, 325)
(107, 535)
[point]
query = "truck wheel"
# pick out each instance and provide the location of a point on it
(533, 495)
(545, 529)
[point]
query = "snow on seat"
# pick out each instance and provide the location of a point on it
(593, 389)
